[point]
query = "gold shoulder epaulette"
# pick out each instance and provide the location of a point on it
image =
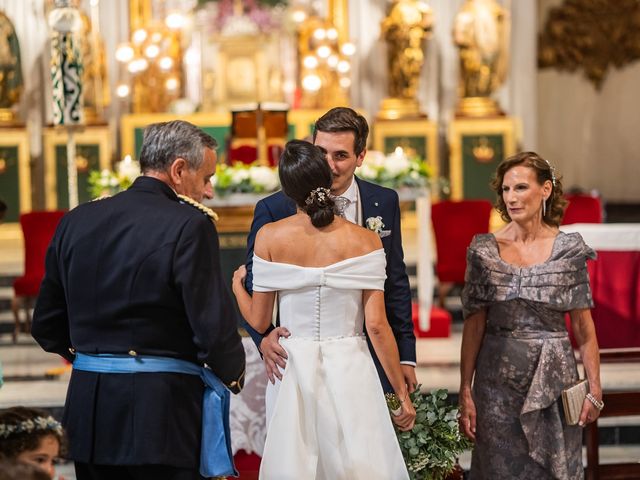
(204, 209)
(101, 197)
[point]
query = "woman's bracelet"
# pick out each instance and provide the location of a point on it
(599, 404)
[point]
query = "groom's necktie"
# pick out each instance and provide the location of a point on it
(341, 204)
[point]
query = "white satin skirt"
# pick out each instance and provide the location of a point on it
(327, 418)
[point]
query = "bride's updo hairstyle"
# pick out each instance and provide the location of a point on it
(306, 178)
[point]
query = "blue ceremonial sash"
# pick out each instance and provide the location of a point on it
(216, 458)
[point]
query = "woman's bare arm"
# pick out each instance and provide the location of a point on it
(256, 309)
(472, 335)
(585, 334)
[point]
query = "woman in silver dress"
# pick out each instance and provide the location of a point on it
(520, 282)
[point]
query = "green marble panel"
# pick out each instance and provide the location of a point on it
(10, 182)
(476, 174)
(91, 153)
(411, 144)
(294, 133)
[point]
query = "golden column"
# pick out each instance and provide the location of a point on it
(339, 18)
(139, 14)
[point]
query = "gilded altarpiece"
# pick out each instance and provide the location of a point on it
(15, 173)
(93, 152)
(477, 146)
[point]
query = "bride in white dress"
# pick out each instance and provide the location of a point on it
(327, 418)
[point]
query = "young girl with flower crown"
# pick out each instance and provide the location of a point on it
(30, 436)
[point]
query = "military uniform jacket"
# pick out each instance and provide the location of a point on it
(138, 274)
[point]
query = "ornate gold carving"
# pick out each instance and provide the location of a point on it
(481, 33)
(82, 163)
(482, 151)
(592, 35)
(405, 28)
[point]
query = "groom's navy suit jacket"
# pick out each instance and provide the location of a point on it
(375, 201)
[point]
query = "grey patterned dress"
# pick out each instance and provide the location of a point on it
(525, 360)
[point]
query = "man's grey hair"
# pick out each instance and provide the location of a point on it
(166, 141)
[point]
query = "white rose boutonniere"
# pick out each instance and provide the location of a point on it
(375, 224)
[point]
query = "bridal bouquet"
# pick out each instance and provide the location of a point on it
(431, 448)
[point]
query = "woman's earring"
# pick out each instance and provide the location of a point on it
(544, 207)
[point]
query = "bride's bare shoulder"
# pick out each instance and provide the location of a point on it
(367, 239)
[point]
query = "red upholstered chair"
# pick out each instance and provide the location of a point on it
(439, 323)
(38, 229)
(246, 154)
(582, 208)
(454, 225)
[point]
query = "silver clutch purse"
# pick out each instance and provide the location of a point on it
(572, 401)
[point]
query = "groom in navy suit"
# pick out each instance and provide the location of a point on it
(342, 134)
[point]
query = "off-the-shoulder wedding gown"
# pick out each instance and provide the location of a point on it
(327, 418)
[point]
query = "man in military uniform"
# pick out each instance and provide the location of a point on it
(132, 281)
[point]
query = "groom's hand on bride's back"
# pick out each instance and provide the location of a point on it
(273, 354)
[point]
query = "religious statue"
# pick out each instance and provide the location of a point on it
(66, 64)
(11, 83)
(404, 29)
(481, 32)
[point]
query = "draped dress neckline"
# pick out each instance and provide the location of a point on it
(357, 257)
(522, 267)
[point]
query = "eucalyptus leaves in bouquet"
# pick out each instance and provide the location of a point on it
(241, 178)
(431, 448)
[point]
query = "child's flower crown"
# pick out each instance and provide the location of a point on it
(30, 426)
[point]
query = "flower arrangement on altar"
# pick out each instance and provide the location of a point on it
(431, 448)
(110, 182)
(241, 178)
(395, 170)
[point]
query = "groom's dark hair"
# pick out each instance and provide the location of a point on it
(344, 119)
(306, 178)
